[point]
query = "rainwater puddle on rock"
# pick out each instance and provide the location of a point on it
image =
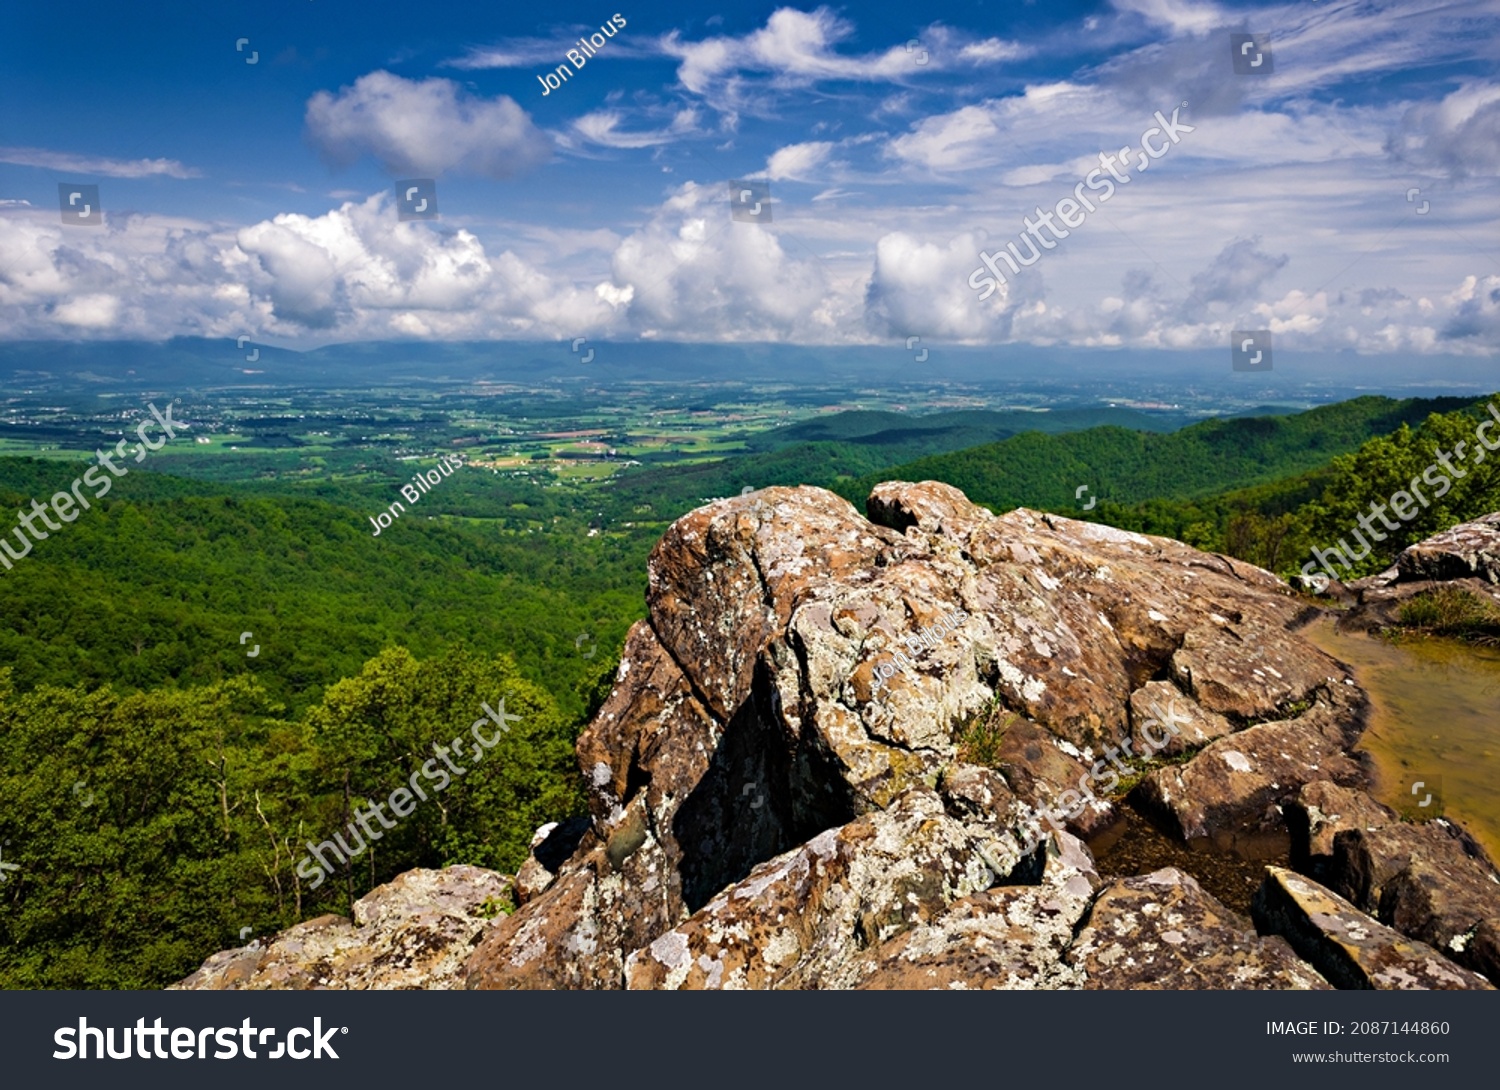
(1435, 713)
(1134, 845)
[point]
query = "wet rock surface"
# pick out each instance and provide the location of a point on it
(849, 752)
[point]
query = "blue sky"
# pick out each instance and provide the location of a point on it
(899, 143)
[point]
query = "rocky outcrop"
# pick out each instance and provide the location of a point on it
(1011, 937)
(772, 807)
(551, 846)
(1465, 557)
(867, 753)
(1470, 549)
(414, 932)
(1162, 701)
(803, 918)
(1345, 945)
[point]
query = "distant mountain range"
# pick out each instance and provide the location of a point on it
(185, 362)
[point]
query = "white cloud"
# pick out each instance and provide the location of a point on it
(1283, 208)
(697, 275)
(1178, 16)
(1238, 274)
(1474, 311)
(524, 52)
(967, 137)
(691, 273)
(603, 127)
(424, 127)
(29, 269)
(68, 163)
(516, 53)
(796, 162)
(353, 273)
(992, 50)
(89, 311)
(794, 49)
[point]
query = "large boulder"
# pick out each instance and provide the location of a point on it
(1465, 557)
(1163, 932)
(1011, 937)
(1320, 812)
(1470, 549)
(1365, 859)
(1234, 792)
(1456, 911)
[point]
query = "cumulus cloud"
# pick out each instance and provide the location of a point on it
(922, 288)
(68, 163)
(1475, 310)
(1238, 273)
(687, 273)
(298, 272)
(355, 272)
(358, 267)
(966, 138)
(697, 275)
(424, 127)
(1282, 209)
(88, 311)
(1460, 134)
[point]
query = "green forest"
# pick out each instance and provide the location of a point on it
(161, 781)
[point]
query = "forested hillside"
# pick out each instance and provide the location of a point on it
(157, 584)
(1278, 525)
(150, 828)
(864, 445)
(1127, 467)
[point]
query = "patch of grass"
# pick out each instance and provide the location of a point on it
(495, 906)
(980, 741)
(1140, 766)
(1454, 612)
